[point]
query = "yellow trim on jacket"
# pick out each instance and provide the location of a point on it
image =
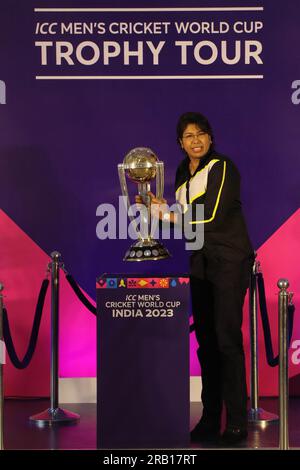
(217, 201)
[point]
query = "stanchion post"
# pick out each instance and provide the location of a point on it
(54, 414)
(55, 328)
(256, 415)
(283, 299)
(253, 337)
(2, 352)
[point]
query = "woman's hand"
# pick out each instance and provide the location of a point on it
(160, 209)
(153, 199)
(158, 205)
(156, 200)
(138, 199)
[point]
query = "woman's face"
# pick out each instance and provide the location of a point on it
(195, 142)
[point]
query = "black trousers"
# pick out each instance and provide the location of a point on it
(217, 302)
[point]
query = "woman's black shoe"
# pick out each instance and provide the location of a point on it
(205, 432)
(233, 435)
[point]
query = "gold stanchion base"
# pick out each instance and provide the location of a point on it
(53, 416)
(260, 416)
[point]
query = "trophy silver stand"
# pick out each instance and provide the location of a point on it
(141, 165)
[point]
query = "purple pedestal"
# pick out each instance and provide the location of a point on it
(143, 361)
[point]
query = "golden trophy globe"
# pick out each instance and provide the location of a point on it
(142, 166)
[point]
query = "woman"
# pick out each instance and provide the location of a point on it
(219, 274)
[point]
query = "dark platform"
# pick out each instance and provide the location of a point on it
(143, 354)
(19, 433)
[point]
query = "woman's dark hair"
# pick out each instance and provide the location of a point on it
(193, 118)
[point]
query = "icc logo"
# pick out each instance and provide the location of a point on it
(2, 92)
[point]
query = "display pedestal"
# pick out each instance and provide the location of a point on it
(143, 361)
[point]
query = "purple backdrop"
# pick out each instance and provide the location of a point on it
(61, 140)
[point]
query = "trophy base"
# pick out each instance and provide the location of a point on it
(146, 250)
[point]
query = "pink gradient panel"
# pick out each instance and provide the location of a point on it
(194, 363)
(77, 335)
(279, 257)
(22, 268)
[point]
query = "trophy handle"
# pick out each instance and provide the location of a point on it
(124, 189)
(160, 180)
(143, 189)
(123, 184)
